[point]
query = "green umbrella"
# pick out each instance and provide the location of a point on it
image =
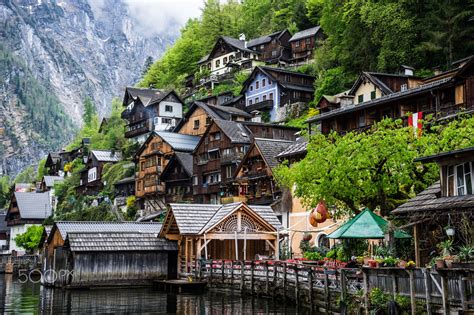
(365, 225)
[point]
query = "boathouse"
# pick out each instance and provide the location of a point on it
(90, 254)
(230, 231)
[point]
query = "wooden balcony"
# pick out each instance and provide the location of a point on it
(225, 200)
(157, 169)
(228, 158)
(155, 189)
(138, 131)
(267, 104)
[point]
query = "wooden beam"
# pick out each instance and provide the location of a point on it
(416, 236)
(236, 247)
(172, 237)
(270, 244)
(229, 236)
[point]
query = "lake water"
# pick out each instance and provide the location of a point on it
(32, 298)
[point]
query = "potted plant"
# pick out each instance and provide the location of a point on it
(439, 262)
(410, 264)
(446, 247)
(390, 261)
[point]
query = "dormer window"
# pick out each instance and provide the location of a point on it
(459, 180)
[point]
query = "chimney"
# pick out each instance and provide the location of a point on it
(407, 70)
(346, 100)
(242, 38)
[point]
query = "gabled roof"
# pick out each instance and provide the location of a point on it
(234, 43)
(265, 38)
(118, 241)
(52, 159)
(299, 147)
(267, 71)
(199, 218)
(33, 205)
(107, 155)
(305, 33)
(179, 142)
(235, 131)
(50, 180)
(66, 227)
(270, 148)
(372, 77)
(126, 180)
(182, 158)
(146, 96)
(213, 111)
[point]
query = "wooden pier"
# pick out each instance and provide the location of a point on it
(333, 290)
(180, 286)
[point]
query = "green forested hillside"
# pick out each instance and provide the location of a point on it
(362, 35)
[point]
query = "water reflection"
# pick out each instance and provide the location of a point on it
(31, 298)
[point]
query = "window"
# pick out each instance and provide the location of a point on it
(271, 96)
(251, 88)
(208, 121)
(156, 121)
(143, 165)
(196, 123)
(372, 95)
(218, 63)
(225, 60)
(404, 87)
(265, 97)
(214, 155)
(166, 121)
(256, 100)
(215, 136)
(308, 41)
(228, 171)
(169, 108)
(256, 85)
(274, 53)
(361, 122)
(250, 102)
(262, 46)
(227, 151)
(263, 82)
(459, 180)
(269, 82)
(360, 98)
(296, 94)
(297, 43)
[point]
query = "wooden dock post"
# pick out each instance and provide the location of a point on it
(366, 291)
(297, 284)
(284, 279)
(212, 272)
(427, 282)
(311, 290)
(275, 275)
(412, 291)
(242, 276)
(252, 277)
(267, 275)
(326, 290)
(232, 273)
(222, 271)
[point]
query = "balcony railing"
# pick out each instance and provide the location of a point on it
(157, 169)
(139, 131)
(267, 104)
(154, 189)
(226, 158)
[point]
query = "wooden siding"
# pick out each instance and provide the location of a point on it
(188, 127)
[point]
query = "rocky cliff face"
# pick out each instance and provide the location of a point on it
(68, 50)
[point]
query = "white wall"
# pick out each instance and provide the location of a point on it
(177, 109)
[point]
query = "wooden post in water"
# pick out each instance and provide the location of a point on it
(232, 273)
(310, 283)
(412, 291)
(251, 277)
(222, 271)
(275, 275)
(444, 293)
(267, 275)
(212, 272)
(366, 291)
(427, 281)
(297, 284)
(284, 279)
(242, 275)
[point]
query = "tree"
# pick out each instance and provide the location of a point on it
(372, 169)
(89, 112)
(30, 240)
(5, 191)
(147, 65)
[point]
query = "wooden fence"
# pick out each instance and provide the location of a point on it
(332, 289)
(10, 264)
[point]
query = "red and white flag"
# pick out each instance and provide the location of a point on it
(415, 120)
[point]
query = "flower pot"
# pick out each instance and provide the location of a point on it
(439, 263)
(449, 263)
(402, 264)
(366, 261)
(372, 263)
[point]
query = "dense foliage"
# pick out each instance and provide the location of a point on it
(5, 191)
(30, 240)
(372, 169)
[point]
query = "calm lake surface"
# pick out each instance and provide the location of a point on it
(32, 298)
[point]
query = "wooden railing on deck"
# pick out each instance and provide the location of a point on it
(326, 287)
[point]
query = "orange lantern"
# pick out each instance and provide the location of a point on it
(319, 214)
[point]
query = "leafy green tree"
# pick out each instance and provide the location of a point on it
(89, 112)
(147, 65)
(40, 171)
(5, 191)
(27, 175)
(30, 240)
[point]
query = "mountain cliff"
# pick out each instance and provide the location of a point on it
(55, 53)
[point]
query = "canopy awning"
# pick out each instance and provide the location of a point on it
(366, 225)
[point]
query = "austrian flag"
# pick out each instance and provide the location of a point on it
(415, 120)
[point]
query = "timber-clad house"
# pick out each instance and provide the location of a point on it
(90, 177)
(178, 178)
(152, 158)
(231, 231)
(148, 110)
(303, 44)
(220, 151)
(274, 48)
(447, 203)
(378, 95)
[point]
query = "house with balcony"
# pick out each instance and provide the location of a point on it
(274, 48)
(303, 44)
(148, 110)
(375, 96)
(221, 150)
(152, 158)
(90, 182)
(272, 93)
(446, 205)
(177, 176)
(26, 209)
(53, 164)
(4, 234)
(200, 114)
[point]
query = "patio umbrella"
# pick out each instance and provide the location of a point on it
(366, 225)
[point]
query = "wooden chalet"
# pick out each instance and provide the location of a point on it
(303, 44)
(254, 175)
(295, 152)
(124, 188)
(228, 54)
(53, 163)
(90, 182)
(198, 117)
(108, 254)
(47, 182)
(448, 203)
(177, 176)
(26, 209)
(148, 110)
(375, 96)
(152, 157)
(231, 231)
(274, 48)
(273, 90)
(221, 150)
(4, 234)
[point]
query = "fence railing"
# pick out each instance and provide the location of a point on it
(331, 289)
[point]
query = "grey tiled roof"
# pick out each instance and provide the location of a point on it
(236, 43)
(235, 131)
(216, 112)
(50, 180)
(118, 241)
(299, 147)
(263, 39)
(305, 33)
(107, 156)
(33, 205)
(198, 218)
(270, 148)
(147, 96)
(186, 161)
(430, 200)
(126, 180)
(179, 142)
(66, 227)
